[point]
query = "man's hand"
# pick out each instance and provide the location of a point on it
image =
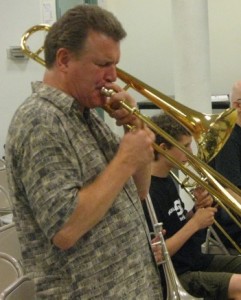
(203, 198)
(204, 217)
(116, 110)
(156, 245)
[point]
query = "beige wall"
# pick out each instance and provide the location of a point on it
(146, 53)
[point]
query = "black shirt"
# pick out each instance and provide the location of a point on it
(171, 212)
(228, 163)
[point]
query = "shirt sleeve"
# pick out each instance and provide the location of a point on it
(50, 176)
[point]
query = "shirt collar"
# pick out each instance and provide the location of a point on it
(57, 97)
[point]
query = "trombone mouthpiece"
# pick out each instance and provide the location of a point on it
(107, 92)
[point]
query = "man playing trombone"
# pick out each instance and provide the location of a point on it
(75, 184)
(202, 275)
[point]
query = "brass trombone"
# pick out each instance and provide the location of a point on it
(209, 131)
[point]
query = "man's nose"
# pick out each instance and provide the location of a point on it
(111, 74)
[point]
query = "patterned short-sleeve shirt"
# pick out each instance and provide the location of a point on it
(52, 151)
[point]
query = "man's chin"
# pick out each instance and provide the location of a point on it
(98, 101)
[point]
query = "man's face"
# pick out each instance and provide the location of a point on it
(176, 153)
(95, 67)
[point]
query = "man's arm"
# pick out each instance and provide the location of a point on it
(142, 176)
(201, 219)
(96, 199)
(142, 179)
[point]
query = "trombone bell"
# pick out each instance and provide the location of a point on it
(209, 131)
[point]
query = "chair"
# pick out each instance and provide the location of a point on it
(10, 270)
(6, 219)
(22, 288)
(213, 244)
(9, 242)
(5, 203)
(3, 175)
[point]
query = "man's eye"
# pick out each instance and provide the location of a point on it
(103, 65)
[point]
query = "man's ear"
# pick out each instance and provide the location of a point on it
(62, 57)
(235, 104)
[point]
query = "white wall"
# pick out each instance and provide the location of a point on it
(225, 44)
(146, 52)
(15, 18)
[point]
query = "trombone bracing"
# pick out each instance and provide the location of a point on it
(211, 231)
(209, 131)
